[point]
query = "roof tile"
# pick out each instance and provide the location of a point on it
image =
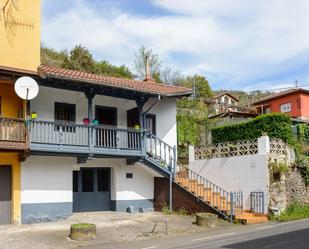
(137, 85)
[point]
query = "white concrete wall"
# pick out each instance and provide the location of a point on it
(246, 173)
(46, 180)
(165, 111)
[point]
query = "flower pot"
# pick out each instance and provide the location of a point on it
(207, 220)
(83, 231)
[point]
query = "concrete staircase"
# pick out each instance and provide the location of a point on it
(162, 157)
(223, 203)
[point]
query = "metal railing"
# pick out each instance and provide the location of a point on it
(160, 151)
(229, 204)
(71, 134)
(257, 202)
(12, 129)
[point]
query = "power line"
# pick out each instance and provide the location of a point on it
(274, 89)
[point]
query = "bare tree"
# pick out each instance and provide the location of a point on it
(140, 63)
(170, 77)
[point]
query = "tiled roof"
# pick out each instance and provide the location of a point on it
(225, 93)
(134, 85)
(281, 94)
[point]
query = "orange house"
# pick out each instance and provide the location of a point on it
(294, 102)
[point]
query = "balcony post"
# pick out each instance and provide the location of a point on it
(90, 95)
(140, 103)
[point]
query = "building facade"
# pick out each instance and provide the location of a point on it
(95, 146)
(294, 102)
(19, 56)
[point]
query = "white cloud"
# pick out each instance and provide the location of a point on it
(233, 43)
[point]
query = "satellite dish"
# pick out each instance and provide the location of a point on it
(26, 88)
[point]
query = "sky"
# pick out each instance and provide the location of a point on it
(235, 44)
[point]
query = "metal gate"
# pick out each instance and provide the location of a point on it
(257, 202)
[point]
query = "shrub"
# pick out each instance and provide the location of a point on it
(275, 125)
(294, 211)
(181, 211)
(165, 209)
(278, 169)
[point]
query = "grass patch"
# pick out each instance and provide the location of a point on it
(295, 211)
(82, 225)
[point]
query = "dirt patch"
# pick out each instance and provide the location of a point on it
(111, 227)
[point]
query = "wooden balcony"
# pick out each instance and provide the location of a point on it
(13, 134)
(71, 138)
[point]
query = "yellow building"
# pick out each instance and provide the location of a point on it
(19, 56)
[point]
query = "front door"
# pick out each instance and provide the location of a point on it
(91, 190)
(5, 194)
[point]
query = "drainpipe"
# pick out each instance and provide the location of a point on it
(172, 166)
(150, 108)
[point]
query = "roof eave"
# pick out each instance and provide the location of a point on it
(51, 76)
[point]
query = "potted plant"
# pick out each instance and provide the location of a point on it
(86, 121)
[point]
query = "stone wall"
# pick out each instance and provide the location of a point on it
(291, 188)
(296, 188)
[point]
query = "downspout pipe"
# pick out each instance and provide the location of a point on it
(173, 167)
(150, 108)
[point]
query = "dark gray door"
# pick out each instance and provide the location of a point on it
(91, 190)
(5, 194)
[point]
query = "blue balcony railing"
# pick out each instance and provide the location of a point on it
(48, 136)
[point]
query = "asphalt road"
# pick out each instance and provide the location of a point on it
(290, 235)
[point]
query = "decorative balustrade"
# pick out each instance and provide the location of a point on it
(112, 137)
(12, 129)
(13, 135)
(74, 138)
(278, 147)
(60, 133)
(227, 149)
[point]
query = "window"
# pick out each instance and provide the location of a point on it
(285, 107)
(150, 123)
(65, 113)
(106, 115)
(103, 179)
(129, 175)
(87, 180)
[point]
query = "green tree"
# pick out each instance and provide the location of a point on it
(52, 57)
(81, 59)
(105, 68)
(201, 85)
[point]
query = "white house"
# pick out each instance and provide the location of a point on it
(97, 144)
(225, 102)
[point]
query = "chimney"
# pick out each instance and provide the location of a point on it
(148, 76)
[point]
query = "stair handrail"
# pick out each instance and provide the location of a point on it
(152, 151)
(233, 198)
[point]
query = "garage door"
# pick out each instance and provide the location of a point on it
(91, 190)
(5, 194)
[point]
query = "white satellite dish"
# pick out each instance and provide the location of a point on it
(26, 88)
